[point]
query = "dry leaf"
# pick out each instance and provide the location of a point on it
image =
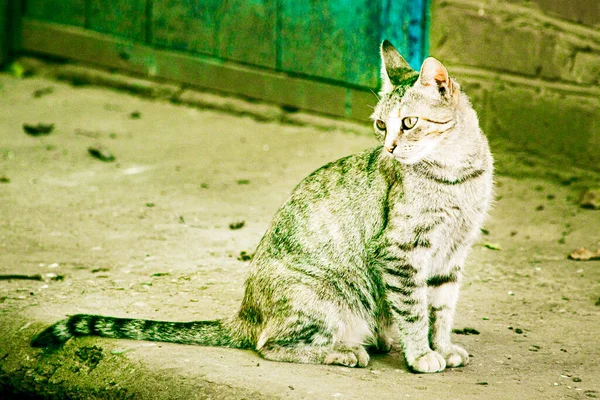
(101, 153)
(583, 254)
(38, 129)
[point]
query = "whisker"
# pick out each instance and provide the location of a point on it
(375, 94)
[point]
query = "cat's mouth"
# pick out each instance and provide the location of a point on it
(411, 154)
(404, 156)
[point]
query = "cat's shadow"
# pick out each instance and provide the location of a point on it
(391, 360)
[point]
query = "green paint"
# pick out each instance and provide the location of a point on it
(330, 40)
(186, 25)
(123, 18)
(58, 11)
(247, 32)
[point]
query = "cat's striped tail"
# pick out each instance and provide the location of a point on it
(203, 333)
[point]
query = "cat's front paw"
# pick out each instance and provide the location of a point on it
(429, 362)
(456, 356)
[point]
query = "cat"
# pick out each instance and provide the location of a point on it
(368, 249)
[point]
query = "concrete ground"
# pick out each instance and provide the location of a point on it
(149, 236)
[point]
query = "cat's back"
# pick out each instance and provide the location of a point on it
(332, 212)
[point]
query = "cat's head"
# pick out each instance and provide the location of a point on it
(417, 111)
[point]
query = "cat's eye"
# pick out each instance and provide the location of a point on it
(380, 125)
(409, 122)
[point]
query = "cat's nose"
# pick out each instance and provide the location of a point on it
(390, 149)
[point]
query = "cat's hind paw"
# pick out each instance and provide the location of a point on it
(429, 362)
(348, 356)
(456, 357)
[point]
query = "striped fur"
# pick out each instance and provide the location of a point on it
(368, 249)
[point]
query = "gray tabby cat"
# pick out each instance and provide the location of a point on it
(367, 246)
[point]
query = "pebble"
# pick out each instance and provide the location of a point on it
(591, 199)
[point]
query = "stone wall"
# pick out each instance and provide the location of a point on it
(532, 69)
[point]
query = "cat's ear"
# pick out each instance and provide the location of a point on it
(394, 68)
(434, 73)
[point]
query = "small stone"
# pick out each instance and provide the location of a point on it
(591, 199)
(237, 225)
(518, 331)
(576, 379)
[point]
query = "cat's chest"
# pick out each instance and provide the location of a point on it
(441, 208)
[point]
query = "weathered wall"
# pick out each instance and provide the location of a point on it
(532, 69)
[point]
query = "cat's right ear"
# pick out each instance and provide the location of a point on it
(394, 68)
(434, 73)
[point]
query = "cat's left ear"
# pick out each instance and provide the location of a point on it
(434, 73)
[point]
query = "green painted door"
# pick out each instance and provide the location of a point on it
(334, 42)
